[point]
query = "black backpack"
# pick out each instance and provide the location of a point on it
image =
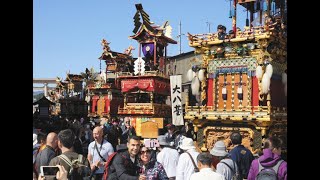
(78, 171)
(242, 162)
(268, 173)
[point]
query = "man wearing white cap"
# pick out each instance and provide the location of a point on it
(226, 166)
(187, 160)
(168, 157)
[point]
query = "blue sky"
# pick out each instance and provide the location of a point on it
(67, 33)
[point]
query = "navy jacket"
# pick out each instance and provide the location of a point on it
(243, 157)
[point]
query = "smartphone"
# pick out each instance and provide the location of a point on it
(49, 171)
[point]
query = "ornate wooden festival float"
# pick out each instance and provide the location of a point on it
(68, 97)
(241, 81)
(144, 84)
(102, 89)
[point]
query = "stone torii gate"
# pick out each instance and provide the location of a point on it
(45, 82)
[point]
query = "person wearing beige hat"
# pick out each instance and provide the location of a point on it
(187, 160)
(226, 167)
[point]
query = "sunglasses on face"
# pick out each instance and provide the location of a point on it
(147, 151)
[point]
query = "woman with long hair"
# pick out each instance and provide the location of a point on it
(152, 169)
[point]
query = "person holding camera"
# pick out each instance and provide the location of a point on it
(66, 140)
(99, 151)
(62, 174)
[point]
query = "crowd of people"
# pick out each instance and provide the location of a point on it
(176, 157)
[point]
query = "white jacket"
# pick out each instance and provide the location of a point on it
(206, 174)
(169, 158)
(185, 166)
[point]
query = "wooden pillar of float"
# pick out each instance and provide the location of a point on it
(203, 90)
(263, 131)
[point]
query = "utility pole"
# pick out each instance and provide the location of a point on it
(179, 36)
(208, 24)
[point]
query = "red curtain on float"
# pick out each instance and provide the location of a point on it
(128, 85)
(149, 85)
(94, 103)
(255, 91)
(210, 92)
(146, 85)
(142, 84)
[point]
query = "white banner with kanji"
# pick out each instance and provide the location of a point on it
(176, 101)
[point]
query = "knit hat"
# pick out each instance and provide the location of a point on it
(219, 149)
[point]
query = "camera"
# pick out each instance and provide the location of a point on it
(49, 171)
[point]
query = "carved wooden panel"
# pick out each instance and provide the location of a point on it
(212, 136)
